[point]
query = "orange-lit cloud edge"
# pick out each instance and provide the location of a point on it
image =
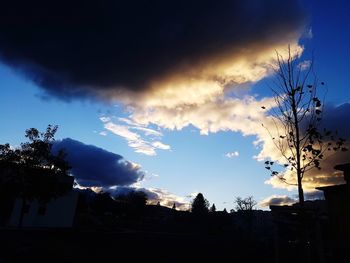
(197, 95)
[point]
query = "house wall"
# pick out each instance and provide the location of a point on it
(339, 212)
(58, 213)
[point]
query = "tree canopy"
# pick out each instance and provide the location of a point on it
(32, 170)
(200, 205)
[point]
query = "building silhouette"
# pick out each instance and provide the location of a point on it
(338, 205)
(59, 212)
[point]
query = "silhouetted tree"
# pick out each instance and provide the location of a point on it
(174, 206)
(225, 211)
(212, 208)
(200, 205)
(296, 117)
(245, 204)
(32, 171)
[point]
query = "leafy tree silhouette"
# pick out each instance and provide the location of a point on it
(32, 171)
(200, 205)
(296, 119)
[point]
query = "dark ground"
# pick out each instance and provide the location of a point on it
(98, 246)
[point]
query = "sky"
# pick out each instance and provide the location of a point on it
(166, 97)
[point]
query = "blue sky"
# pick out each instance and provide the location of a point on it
(195, 162)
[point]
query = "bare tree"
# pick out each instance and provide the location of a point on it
(245, 204)
(297, 117)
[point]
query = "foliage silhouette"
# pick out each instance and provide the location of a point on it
(200, 205)
(32, 171)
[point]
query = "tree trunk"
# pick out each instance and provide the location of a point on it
(21, 216)
(300, 190)
(297, 148)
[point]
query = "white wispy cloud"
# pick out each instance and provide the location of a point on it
(103, 133)
(143, 147)
(232, 154)
(122, 131)
(105, 119)
(304, 65)
(147, 131)
(135, 140)
(160, 145)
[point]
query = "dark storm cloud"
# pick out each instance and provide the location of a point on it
(93, 166)
(79, 48)
(335, 118)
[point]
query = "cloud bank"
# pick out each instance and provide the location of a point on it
(172, 64)
(100, 170)
(96, 167)
(121, 49)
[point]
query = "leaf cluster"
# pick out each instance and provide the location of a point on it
(32, 170)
